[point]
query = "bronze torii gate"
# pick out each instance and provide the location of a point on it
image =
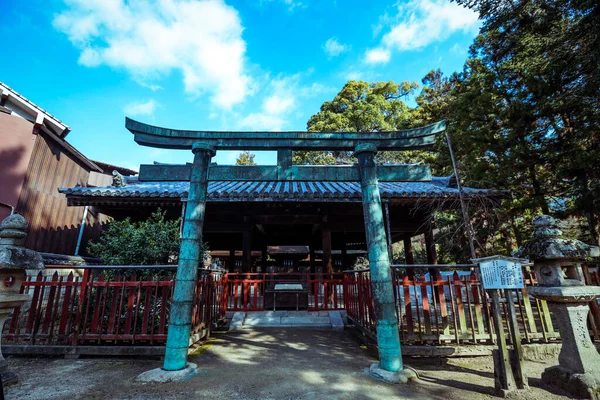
(204, 145)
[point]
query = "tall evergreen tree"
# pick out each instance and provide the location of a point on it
(539, 61)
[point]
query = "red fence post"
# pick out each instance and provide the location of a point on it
(82, 292)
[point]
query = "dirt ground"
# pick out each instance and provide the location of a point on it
(267, 364)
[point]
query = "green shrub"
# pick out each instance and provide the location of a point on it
(151, 242)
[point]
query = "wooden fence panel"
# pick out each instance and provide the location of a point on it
(105, 309)
(450, 310)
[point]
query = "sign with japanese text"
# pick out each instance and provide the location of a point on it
(501, 274)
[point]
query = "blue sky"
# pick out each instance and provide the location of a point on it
(214, 65)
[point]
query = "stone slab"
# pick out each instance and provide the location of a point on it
(405, 375)
(261, 314)
(159, 375)
(306, 320)
(336, 320)
(268, 326)
(237, 321)
(261, 321)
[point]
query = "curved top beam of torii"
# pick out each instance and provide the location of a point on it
(408, 139)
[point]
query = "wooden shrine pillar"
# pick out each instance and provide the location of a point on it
(190, 257)
(312, 258)
(344, 253)
(264, 259)
(327, 261)
(232, 259)
(247, 250)
(388, 338)
(430, 249)
(409, 256)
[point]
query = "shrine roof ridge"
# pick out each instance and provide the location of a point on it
(154, 136)
(263, 191)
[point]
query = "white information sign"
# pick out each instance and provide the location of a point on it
(501, 274)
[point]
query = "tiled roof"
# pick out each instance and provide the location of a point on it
(276, 191)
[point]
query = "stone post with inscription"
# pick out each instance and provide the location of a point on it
(561, 284)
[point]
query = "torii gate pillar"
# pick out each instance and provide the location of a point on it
(390, 365)
(190, 256)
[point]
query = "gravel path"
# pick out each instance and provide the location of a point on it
(265, 364)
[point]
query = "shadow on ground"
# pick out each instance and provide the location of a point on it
(263, 364)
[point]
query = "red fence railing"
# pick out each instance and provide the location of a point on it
(246, 291)
(453, 308)
(102, 308)
(108, 308)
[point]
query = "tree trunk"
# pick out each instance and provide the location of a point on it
(537, 191)
(587, 200)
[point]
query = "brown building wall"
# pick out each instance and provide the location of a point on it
(54, 227)
(16, 145)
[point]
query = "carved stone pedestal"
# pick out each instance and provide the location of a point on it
(7, 303)
(579, 369)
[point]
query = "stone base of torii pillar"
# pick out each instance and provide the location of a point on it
(405, 375)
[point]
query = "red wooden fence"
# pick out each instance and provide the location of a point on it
(245, 291)
(453, 309)
(100, 308)
(105, 309)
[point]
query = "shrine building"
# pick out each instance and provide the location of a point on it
(287, 218)
(363, 206)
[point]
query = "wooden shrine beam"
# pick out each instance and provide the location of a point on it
(154, 136)
(389, 173)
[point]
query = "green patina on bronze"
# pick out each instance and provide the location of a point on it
(388, 339)
(350, 173)
(154, 136)
(190, 256)
(204, 144)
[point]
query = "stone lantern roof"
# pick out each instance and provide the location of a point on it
(547, 243)
(13, 255)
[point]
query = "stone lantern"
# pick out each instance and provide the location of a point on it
(14, 260)
(561, 283)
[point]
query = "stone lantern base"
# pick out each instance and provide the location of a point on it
(8, 302)
(579, 369)
(586, 385)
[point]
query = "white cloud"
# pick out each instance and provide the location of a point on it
(316, 89)
(263, 121)
(458, 49)
(420, 23)
(291, 4)
(140, 108)
(333, 47)
(200, 39)
(276, 104)
(280, 99)
(376, 56)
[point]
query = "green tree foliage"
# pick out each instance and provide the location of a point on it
(529, 103)
(151, 242)
(245, 158)
(523, 115)
(359, 107)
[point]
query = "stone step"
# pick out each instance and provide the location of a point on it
(286, 319)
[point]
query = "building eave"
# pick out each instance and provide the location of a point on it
(40, 116)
